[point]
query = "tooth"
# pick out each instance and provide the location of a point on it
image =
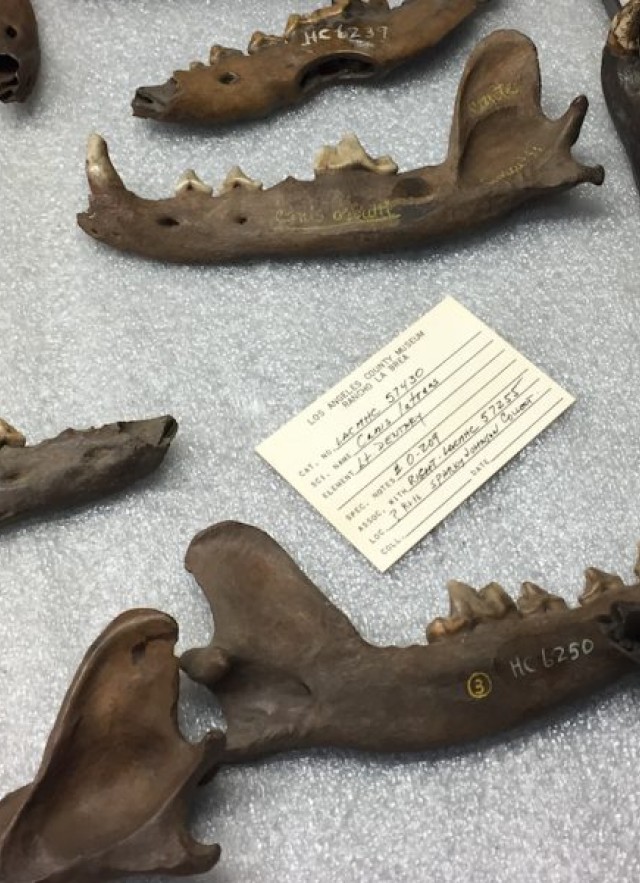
(10, 436)
(537, 600)
(237, 179)
(194, 65)
(259, 41)
(217, 52)
(636, 569)
(293, 22)
(597, 583)
(497, 600)
(190, 182)
(440, 628)
(350, 154)
(465, 602)
(100, 172)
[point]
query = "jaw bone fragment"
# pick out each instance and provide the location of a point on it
(349, 40)
(19, 50)
(291, 672)
(503, 152)
(77, 466)
(111, 796)
(621, 78)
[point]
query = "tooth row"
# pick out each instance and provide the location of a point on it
(350, 154)
(10, 436)
(469, 606)
(189, 182)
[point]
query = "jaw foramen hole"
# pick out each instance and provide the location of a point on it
(330, 69)
(8, 64)
(11, 32)
(168, 222)
(228, 78)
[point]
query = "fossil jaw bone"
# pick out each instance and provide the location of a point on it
(19, 50)
(348, 40)
(620, 78)
(503, 152)
(291, 672)
(110, 797)
(77, 467)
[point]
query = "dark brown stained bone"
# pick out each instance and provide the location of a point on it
(111, 796)
(77, 466)
(290, 671)
(621, 79)
(348, 40)
(19, 50)
(503, 152)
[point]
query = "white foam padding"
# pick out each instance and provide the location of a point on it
(89, 336)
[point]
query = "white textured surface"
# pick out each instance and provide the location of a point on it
(90, 336)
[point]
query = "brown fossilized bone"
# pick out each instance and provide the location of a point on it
(111, 796)
(350, 39)
(503, 151)
(77, 466)
(19, 50)
(621, 77)
(290, 671)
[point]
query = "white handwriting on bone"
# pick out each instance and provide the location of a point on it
(348, 34)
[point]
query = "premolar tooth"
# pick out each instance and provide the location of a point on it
(535, 599)
(465, 602)
(293, 22)
(259, 40)
(10, 436)
(350, 154)
(237, 179)
(497, 600)
(190, 182)
(441, 628)
(218, 52)
(597, 583)
(194, 65)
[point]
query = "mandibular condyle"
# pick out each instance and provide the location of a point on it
(291, 672)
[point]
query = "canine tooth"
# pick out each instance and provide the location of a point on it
(10, 436)
(190, 182)
(350, 154)
(535, 599)
(218, 52)
(100, 171)
(497, 600)
(597, 583)
(259, 40)
(237, 179)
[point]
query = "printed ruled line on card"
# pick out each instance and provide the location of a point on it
(391, 450)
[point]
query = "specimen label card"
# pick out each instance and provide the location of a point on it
(390, 451)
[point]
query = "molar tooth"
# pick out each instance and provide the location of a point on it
(259, 40)
(497, 600)
(597, 583)
(237, 179)
(350, 154)
(535, 599)
(218, 52)
(190, 182)
(10, 436)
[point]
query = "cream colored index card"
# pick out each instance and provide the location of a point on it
(390, 451)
